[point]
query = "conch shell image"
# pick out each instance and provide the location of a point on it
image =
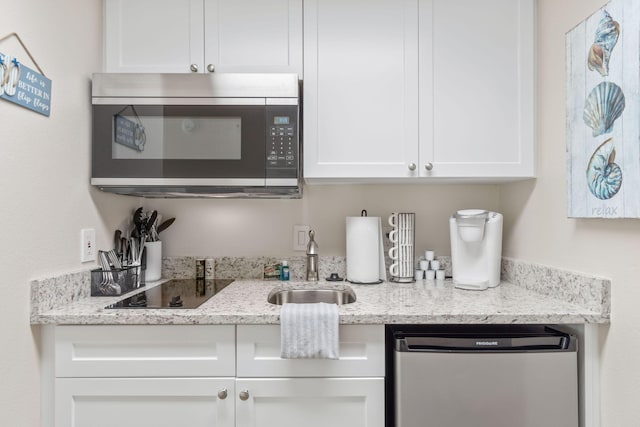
(604, 177)
(602, 108)
(606, 38)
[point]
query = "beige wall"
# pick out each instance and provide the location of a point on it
(47, 200)
(264, 227)
(43, 182)
(538, 228)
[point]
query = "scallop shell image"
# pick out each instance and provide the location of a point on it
(606, 38)
(602, 108)
(604, 177)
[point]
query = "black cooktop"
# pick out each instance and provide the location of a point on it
(176, 293)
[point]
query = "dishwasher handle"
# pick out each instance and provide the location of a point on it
(484, 344)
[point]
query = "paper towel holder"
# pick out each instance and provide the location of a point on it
(363, 214)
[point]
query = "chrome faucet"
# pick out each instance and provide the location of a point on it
(312, 258)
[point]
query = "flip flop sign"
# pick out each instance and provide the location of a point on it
(24, 86)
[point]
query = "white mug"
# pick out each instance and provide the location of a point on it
(393, 219)
(435, 265)
(402, 219)
(393, 253)
(424, 264)
(394, 269)
(429, 256)
(431, 274)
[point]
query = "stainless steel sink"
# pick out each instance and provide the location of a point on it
(308, 296)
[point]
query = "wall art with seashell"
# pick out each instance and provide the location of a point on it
(603, 113)
(605, 40)
(604, 176)
(603, 107)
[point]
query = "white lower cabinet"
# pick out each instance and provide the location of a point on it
(209, 375)
(310, 402)
(144, 402)
(347, 392)
(139, 376)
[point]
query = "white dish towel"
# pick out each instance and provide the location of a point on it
(309, 331)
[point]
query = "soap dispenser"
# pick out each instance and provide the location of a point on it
(312, 258)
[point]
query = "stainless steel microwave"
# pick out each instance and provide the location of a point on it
(206, 135)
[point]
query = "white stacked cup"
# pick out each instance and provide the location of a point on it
(431, 266)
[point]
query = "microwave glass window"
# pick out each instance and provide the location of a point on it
(176, 137)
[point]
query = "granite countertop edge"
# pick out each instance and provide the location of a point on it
(245, 302)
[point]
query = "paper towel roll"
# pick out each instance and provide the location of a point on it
(364, 250)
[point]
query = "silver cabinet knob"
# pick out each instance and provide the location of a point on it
(244, 394)
(211, 68)
(222, 394)
(412, 166)
(194, 68)
(428, 166)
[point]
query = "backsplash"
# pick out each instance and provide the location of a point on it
(249, 267)
(51, 293)
(252, 267)
(48, 294)
(593, 292)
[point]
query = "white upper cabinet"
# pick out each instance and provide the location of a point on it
(477, 88)
(253, 35)
(398, 91)
(147, 36)
(360, 97)
(182, 36)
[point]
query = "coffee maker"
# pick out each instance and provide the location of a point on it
(476, 248)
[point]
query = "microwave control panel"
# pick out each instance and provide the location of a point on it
(282, 141)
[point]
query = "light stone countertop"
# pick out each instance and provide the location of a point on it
(245, 302)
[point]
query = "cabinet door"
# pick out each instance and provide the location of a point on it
(253, 35)
(476, 88)
(360, 89)
(318, 402)
(147, 402)
(155, 36)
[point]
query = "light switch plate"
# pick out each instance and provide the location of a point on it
(87, 245)
(300, 237)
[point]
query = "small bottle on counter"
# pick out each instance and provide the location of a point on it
(209, 269)
(200, 268)
(284, 271)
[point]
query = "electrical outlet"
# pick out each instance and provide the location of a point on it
(300, 237)
(87, 245)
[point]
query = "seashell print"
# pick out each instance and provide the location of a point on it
(603, 106)
(607, 32)
(606, 38)
(597, 60)
(604, 177)
(3, 73)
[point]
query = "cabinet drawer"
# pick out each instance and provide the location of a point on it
(145, 351)
(361, 354)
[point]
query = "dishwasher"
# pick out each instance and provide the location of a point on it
(481, 376)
